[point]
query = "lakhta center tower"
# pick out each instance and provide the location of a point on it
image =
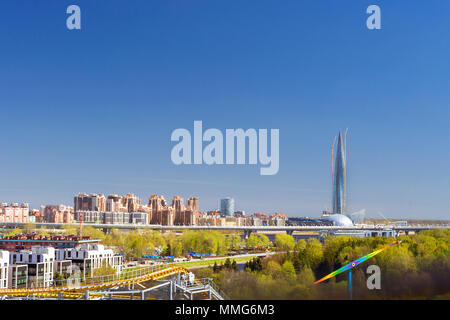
(338, 169)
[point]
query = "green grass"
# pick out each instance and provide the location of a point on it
(210, 262)
(199, 263)
(132, 268)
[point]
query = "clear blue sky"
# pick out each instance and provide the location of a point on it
(93, 110)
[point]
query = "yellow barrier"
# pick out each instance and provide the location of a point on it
(79, 290)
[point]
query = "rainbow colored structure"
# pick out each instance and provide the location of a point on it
(353, 264)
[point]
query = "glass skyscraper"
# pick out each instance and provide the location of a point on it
(227, 207)
(339, 176)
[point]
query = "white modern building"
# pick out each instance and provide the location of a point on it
(4, 265)
(62, 271)
(40, 262)
(18, 276)
(89, 257)
(47, 266)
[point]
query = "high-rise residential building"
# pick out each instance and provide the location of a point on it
(14, 212)
(338, 169)
(129, 209)
(89, 202)
(192, 204)
(227, 207)
(156, 202)
(178, 204)
(167, 216)
(58, 214)
(131, 202)
(114, 203)
(179, 210)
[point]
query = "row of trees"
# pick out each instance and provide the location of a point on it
(418, 268)
(139, 243)
(227, 265)
(142, 242)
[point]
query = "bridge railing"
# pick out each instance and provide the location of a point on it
(207, 282)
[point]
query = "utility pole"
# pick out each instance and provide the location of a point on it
(350, 284)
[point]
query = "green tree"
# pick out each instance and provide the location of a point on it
(29, 228)
(273, 269)
(136, 245)
(233, 242)
(70, 229)
(207, 242)
(256, 240)
(313, 253)
(300, 245)
(306, 276)
(254, 265)
(168, 250)
(298, 263)
(94, 233)
(284, 241)
(13, 232)
(288, 271)
(43, 231)
(227, 264)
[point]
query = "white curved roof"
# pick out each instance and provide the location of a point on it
(340, 220)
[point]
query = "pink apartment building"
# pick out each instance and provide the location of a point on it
(14, 212)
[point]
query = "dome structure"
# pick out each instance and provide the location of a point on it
(340, 220)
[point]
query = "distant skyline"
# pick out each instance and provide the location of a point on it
(92, 110)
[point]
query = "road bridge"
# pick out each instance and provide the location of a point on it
(247, 230)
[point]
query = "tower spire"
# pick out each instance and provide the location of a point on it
(339, 176)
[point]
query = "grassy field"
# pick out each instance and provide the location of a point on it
(202, 263)
(210, 262)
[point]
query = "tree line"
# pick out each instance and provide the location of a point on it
(137, 243)
(418, 268)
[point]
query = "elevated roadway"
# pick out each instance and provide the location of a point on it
(245, 229)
